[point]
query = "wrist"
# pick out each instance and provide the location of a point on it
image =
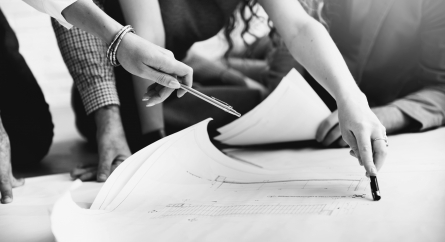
(108, 119)
(85, 15)
(351, 97)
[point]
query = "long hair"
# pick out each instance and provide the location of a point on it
(247, 11)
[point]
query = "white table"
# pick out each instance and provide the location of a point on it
(414, 159)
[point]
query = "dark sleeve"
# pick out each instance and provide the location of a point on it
(427, 106)
(85, 58)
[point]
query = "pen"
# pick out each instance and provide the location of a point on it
(218, 103)
(375, 188)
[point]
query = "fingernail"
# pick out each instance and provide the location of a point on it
(174, 84)
(145, 99)
(373, 171)
(150, 105)
(102, 177)
(6, 200)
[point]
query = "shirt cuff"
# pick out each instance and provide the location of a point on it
(53, 8)
(99, 95)
(426, 118)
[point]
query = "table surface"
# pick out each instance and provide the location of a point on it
(411, 155)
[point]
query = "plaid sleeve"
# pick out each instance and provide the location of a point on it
(85, 57)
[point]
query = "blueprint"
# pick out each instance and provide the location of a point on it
(292, 112)
(184, 189)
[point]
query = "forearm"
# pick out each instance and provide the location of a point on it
(108, 120)
(425, 107)
(85, 15)
(85, 58)
(393, 119)
(310, 44)
(205, 69)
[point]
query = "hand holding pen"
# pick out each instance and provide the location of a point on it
(157, 93)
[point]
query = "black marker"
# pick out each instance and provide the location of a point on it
(375, 188)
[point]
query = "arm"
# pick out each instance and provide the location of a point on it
(136, 55)
(311, 45)
(84, 55)
(424, 109)
(7, 180)
(213, 72)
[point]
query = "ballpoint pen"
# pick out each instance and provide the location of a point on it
(214, 101)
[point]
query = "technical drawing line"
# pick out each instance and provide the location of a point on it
(282, 181)
(227, 210)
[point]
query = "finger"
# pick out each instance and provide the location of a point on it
(182, 92)
(17, 182)
(88, 176)
(166, 52)
(118, 161)
(157, 75)
(341, 143)
(77, 172)
(5, 188)
(326, 126)
(332, 136)
(351, 152)
(115, 165)
(365, 149)
(120, 158)
(151, 91)
(158, 96)
(104, 168)
(349, 138)
(168, 64)
(380, 150)
(5, 178)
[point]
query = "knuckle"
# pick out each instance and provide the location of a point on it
(5, 181)
(169, 53)
(331, 122)
(365, 148)
(381, 152)
(189, 70)
(162, 79)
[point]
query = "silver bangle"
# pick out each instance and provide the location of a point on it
(112, 49)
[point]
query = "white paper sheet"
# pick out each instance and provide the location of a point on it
(27, 218)
(292, 112)
(188, 191)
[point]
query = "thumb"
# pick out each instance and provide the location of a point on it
(166, 80)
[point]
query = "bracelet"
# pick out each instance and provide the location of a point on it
(112, 49)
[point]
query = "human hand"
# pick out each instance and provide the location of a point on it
(258, 86)
(7, 180)
(359, 127)
(112, 146)
(329, 133)
(149, 61)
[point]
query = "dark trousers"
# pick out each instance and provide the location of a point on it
(23, 109)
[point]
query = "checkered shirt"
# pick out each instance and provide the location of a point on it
(85, 57)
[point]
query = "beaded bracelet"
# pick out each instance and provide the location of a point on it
(112, 49)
